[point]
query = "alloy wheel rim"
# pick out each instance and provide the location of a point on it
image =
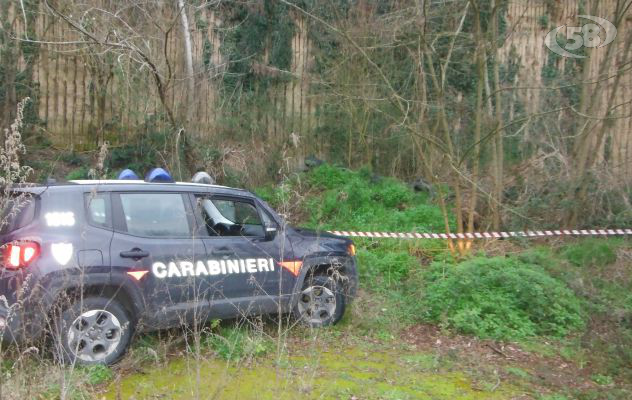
(94, 335)
(317, 304)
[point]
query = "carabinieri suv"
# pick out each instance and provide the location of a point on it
(90, 263)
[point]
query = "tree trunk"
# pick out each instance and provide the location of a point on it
(190, 79)
(498, 156)
(478, 118)
(188, 56)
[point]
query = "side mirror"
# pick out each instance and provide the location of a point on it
(271, 232)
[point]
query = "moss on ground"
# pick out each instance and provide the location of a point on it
(335, 373)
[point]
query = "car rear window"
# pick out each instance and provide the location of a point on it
(98, 209)
(17, 212)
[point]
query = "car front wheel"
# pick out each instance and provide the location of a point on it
(94, 330)
(321, 302)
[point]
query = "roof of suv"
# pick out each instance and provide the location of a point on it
(123, 184)
(141, 182)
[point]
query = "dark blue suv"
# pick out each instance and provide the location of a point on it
(92, 262)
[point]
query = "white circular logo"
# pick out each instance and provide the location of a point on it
(587, 35)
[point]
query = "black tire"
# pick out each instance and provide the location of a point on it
(315, 316)
(101, 336)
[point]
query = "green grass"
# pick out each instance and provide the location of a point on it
(388, 264)
(237, 343)
(312, 370)
(603, 380)
(423, 362)
(98, 374)
(355, 200)
(592, 252)
(519, 372)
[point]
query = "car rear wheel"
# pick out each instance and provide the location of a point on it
(94, 330)
(321, 302)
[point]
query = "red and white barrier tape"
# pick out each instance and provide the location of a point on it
(485, 235)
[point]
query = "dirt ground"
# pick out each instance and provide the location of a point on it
(538, 371)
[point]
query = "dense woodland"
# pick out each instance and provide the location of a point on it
(462, 95)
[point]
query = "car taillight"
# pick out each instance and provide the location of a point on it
(20, 254)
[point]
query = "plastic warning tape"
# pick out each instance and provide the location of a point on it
(485, 235)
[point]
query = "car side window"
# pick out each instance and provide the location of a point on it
(155, 214)
(98, 209)
(17, 212)
(229, 217)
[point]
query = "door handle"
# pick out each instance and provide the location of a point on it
(135, 254)
(223, 252)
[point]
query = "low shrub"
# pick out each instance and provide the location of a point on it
(392, 193)
(143, 152)
(389, 265)
(591, 252)
(78, 173)
(356, 200)
(329, 176)
(500, 298)
(71, 158)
